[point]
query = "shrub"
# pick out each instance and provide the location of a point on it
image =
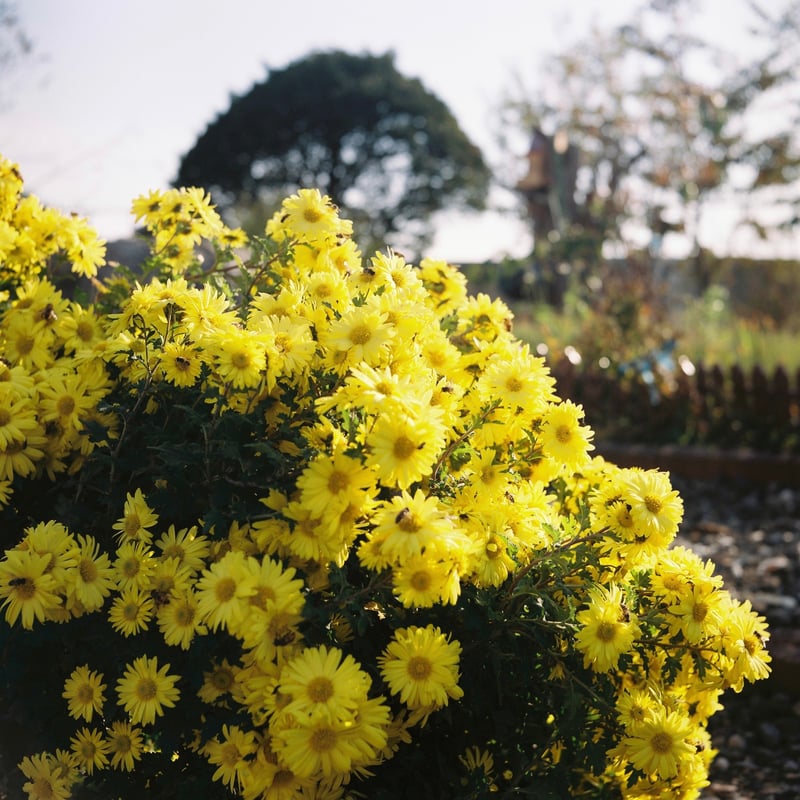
(319, 527)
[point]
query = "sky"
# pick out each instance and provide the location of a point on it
(115, 92)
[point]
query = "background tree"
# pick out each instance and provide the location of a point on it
(14, 47)
(385, 149)
(648, 123)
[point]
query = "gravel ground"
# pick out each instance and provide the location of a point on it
(752, 533)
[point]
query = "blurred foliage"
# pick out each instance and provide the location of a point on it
(629, 341)
(642, 125)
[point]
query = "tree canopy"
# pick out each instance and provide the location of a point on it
(384, 148)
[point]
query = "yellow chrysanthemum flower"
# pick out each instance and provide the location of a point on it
(240, 357)
(745, 636)
(17, 418)
(323, 679)
(26, 587)
(660, 744)
(181, 363)
(403, 448)
(84, 691)
(179, 619)
(563, 437)
(137, 519)
(134, 565)
(92, 580)
(223, 591)
(90, 749)
(608, 629)
(407, 525)
(230, 755)
(317, 746)
(52, 539)
(131, 611)
(446, 285)
(421, 666)
(125, 745)
(424, 580)
(46, 778)
(310, 217)
(519, 380)
(655, 507)
(184, 544)
(362, 335)
(21, 457)
(218, 682)
(697, 614)
(145, 690)
(331, 483)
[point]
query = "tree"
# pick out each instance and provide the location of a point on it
(14, 44)
(384, 148)
(657, 120)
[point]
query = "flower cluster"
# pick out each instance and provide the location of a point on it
(319, 526)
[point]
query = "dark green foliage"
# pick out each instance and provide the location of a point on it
(384, 148)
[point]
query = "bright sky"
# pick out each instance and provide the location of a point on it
(119, 90)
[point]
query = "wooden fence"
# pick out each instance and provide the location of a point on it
(730, 408)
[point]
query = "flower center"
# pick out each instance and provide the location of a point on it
(146, 689)
(407, 521)
(24, 344)
(262, 595)
(624, 518)
(311, 215)
(320, 690)
(513, 384)
(132, 524)
(130, 568)
(174, 551)
(672, 582)
(606, 631)
(184, 615)
(421, 581)
(226, 589)
(661, 742)
(88, 749)
(43, 788)
(240, 360)
(230, 754)
(322, 740)
(563, 434)
(88, 570)
(86, 694)
(222, 680)
(653, 504)
(404, 447)
(493, 549)
(338, 481)
(84, 331)
(323, 290)
(283, 777)
(699, 612)
(5, 416)
(65, 405)
(361, 334)
(419, 668)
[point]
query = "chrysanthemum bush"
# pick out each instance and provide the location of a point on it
(316, 525)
